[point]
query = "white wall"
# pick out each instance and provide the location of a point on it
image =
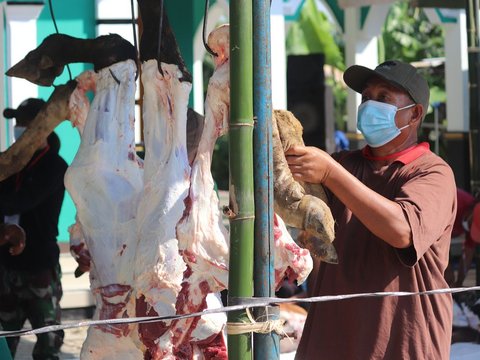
(21, 37)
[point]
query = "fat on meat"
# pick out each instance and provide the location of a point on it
(163, 222)
(202, 237)
(105, 182)
(159, 267)
(79, 106)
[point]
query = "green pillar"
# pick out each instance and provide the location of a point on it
(4, 351)
(185, 18)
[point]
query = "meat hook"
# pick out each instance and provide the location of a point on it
(160, 29)
(134, 34)
(114, 77)
(205, 20)
(56, 30)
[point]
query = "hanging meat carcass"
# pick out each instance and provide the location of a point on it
(203, 239)
(159, 267)
(114, 174)
(105, 182)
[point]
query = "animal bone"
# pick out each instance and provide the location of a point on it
(52, 113)
(42, 65)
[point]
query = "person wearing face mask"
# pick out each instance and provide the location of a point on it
(394, 203)
(30, 286)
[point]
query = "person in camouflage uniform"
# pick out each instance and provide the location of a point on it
(30, 287)
(36, 297)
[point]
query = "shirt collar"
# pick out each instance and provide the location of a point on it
(405, 156)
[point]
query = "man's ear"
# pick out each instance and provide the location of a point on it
(417, 113)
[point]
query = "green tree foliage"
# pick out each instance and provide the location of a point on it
(313, 33)
(409, 36)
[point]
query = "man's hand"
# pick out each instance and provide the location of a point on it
(14, 235)
(309, 164)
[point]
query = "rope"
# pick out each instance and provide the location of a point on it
(264, 327)
(160, 30)
(56, 30)
(134, 34)
(245, 303)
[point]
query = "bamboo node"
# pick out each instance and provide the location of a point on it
(241, 124)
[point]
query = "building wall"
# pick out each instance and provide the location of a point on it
(75, 18)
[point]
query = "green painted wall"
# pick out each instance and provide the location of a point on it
(185, 20)
(75, 18)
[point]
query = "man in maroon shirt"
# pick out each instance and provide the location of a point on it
(394, 204)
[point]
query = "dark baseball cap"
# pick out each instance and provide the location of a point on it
(25, 112)
(397, 73)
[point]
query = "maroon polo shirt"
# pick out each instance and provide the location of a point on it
(409, 327)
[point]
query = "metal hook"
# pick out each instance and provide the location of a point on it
(205, 20)
(114, 77)
(160, 29)
(134, 34)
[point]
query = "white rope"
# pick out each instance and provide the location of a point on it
(246, 303)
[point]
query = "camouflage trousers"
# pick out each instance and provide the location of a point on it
(34, 296)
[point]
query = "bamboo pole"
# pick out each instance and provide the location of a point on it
(266, 346)
(241, 171)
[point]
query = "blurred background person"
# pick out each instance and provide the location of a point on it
(30, 286)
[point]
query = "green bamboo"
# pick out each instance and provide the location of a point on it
(241, 171)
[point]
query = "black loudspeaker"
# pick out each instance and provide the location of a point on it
(306, 96)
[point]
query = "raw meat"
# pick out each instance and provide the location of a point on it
(159, 267)
(203, 240)
(105, 182)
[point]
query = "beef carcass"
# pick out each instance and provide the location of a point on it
(203, 239)
(106, 178)
(159, 267)
(105, 182)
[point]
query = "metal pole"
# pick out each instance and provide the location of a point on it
(266, 346)
(473, 82)
(240, 276)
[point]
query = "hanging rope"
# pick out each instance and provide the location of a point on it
(134, 23)
(204, 31)
(56, 29)
(160, 29)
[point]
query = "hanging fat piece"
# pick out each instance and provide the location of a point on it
(300, 205)
(202, 237)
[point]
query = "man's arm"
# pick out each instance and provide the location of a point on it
(33, 190)
(383, 217)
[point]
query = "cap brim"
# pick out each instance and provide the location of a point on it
(356, 77)
(9, 113)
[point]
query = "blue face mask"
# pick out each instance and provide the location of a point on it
(376, 121)
(18, 131)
